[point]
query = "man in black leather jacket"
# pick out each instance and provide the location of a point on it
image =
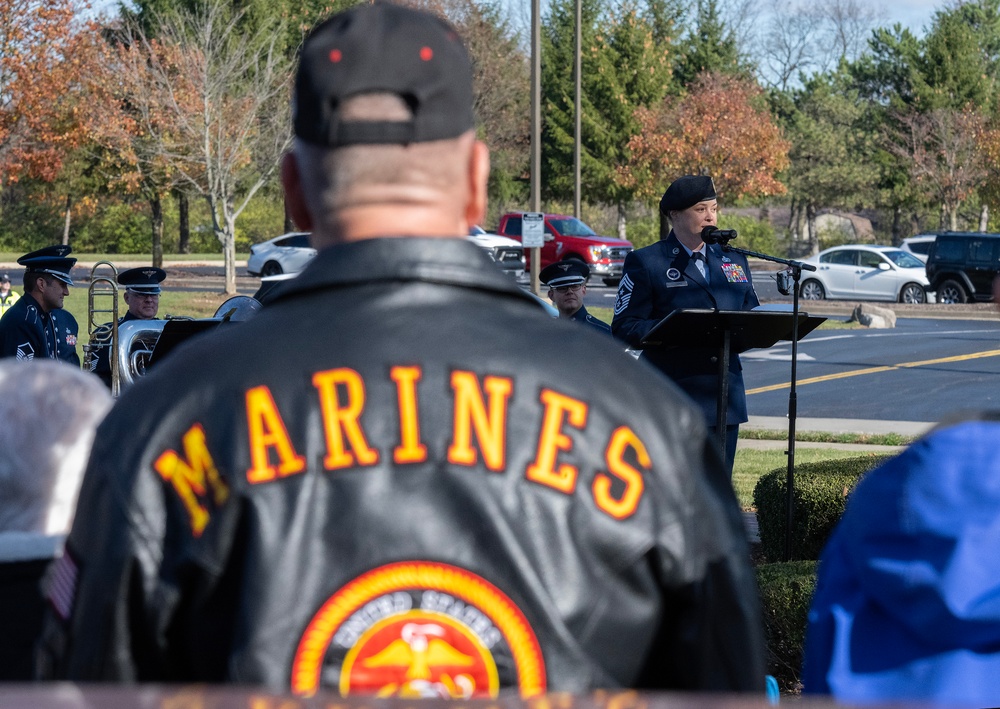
(401, 476)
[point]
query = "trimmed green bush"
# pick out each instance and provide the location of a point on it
(818, 501)
(786, 591)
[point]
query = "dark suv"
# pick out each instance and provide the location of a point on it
(961, 266)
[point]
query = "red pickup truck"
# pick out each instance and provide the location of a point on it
(568, 238)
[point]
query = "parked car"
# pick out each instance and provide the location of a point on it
(961, 265)
(864, 272)
(569, 238)
(506, 252)
(919, 245)
(288, 253)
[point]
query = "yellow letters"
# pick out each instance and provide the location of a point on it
(340, 421)
(267, 430)
(624, 506)
(551, 440)
(410, 449)
(192, 476)
(471, 414)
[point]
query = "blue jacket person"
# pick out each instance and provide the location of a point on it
(683, 272)
(567, 282)
(28, 329)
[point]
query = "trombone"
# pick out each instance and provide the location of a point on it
(103, 335)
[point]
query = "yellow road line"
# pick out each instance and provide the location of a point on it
(876, 370)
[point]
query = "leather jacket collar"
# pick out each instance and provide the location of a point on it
(448, 261)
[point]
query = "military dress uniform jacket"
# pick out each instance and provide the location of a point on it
(661, 278)
(418, 484)
(27, 331)
(582, 316)
(67, 330)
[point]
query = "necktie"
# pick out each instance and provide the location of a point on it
(699, 261)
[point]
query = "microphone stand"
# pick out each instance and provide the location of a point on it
(795, 268)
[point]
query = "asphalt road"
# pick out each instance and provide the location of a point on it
(922, 370)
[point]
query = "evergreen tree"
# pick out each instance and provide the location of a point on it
(710, 47)
(623, 67)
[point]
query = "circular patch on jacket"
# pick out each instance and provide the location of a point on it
(673, 274)
(419, 629)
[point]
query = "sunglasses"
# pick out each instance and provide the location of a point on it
(563, 289)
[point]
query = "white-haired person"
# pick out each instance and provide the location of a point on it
(53, 410)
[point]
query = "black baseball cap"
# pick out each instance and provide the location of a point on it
(687, 191)
(51, 260)
(383, 48)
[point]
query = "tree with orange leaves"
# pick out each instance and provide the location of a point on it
(719, 127)
(46, 56)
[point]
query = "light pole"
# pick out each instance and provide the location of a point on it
(578, 112)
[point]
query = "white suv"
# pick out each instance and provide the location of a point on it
(919, 245)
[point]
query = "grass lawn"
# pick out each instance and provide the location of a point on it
(195, 304)
(751, 464)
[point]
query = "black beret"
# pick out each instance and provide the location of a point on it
(564, 273)
(686, 192)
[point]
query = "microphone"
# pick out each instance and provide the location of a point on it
(714, 235)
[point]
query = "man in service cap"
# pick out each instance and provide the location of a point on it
(142, 296)
(683, 272)
(567, 282)
(401, 477)
(29, 329)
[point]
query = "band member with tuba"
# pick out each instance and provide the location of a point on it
(142, 296)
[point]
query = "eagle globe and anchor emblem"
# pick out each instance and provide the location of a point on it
(419, 629)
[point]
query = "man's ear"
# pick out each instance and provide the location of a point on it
(295, 202)
(479, 175)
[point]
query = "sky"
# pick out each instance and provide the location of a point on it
(915, 14)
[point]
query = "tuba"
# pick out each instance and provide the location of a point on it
(105, 335)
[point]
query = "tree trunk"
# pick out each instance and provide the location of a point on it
(622, 233)
(984, 217)
(811, 225)
(897, 225)
(183, 223)
(156, 217)
(66, 222)
(230, 250)
(953, 217)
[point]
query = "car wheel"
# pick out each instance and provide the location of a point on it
(612, 282)
(271, 268)
(812, 290)
(951, 292)
(913, 294)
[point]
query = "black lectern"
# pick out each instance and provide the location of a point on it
(729, 331)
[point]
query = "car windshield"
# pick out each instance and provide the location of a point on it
(903, 259)
(571, 226)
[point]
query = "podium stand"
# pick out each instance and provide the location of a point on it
(729, 331)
